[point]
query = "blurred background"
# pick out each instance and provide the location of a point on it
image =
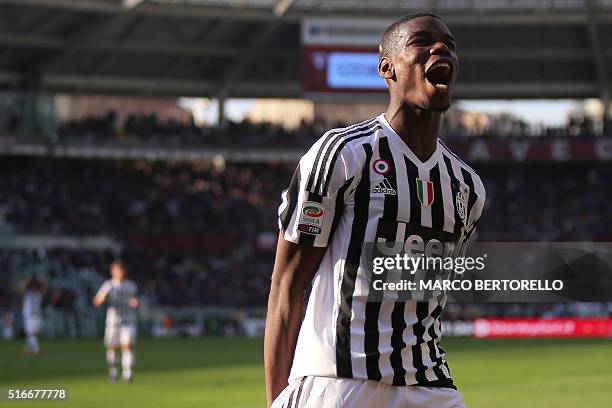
(165, 130)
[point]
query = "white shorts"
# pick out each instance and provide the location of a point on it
(31, 325)
(116, 336)
(327, 392)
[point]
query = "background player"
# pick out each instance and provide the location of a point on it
(120, 295)
(32, 313)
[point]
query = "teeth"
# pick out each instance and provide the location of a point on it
(441, 86)
(443, 64)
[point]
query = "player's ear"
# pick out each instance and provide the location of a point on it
(386, 68)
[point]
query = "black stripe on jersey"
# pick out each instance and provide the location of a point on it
(397, 343)
(344, 367)
(443, 353)
(415, 204)
(454, 188)
(339, 207)
(467, 177)
(437, 217)
(390, 206)
(305, 238)
(292, 197)
(433, 350)
(290, 399)
(299, 394)
(328, 143)
(387, 226)
(345, 139)
(372, 338)
(398, 323)
(437, 207)
(422, 311)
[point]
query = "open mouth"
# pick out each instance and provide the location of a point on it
(439, 75)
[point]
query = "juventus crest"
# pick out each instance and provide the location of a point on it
(461, 200)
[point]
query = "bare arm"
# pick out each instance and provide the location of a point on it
(100, 297)
(294, 268)
(98, 300)
(134, 303)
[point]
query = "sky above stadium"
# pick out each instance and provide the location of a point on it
(546, 112)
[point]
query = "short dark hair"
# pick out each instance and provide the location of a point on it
(392, 37)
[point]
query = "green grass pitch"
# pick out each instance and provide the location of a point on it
(228, 373)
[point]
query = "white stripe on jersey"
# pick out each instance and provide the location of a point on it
(32, 304)
(426, 210)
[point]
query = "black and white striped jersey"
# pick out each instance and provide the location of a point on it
(363, 184)
(118, 295)
(32, 303)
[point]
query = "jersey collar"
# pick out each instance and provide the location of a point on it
(427, 164)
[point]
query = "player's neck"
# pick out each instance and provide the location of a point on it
(418, 128)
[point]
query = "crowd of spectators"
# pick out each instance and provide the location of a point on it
(547, 202)
(127, 199)
(139, 197)
(148, 129)
(203, 233)
(238, 278)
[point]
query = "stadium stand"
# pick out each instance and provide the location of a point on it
(194, 234)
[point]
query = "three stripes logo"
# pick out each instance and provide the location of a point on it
(425, 192)
(384, 187)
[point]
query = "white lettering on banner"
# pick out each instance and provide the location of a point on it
(603, 149)
(519, 149)
(559, 150)
(479, 151)
(343, 31)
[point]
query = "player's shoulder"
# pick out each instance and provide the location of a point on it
(344, 141)
(459, 163)
(337, 157)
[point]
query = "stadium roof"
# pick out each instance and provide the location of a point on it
(251, 48)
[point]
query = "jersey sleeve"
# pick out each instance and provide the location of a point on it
(134, 289)
(479, 205)
(104, 289)
(319, 190)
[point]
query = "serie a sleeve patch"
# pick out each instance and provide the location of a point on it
(311, 218)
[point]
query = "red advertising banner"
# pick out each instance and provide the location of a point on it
(525, 149)
(178, 244)
(532, 328)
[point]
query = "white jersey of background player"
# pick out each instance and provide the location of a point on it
(120, 296)
(32, 314)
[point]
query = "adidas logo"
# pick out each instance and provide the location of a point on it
(384, 187)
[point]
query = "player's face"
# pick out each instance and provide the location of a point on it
(426, 67)
(117, 272)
